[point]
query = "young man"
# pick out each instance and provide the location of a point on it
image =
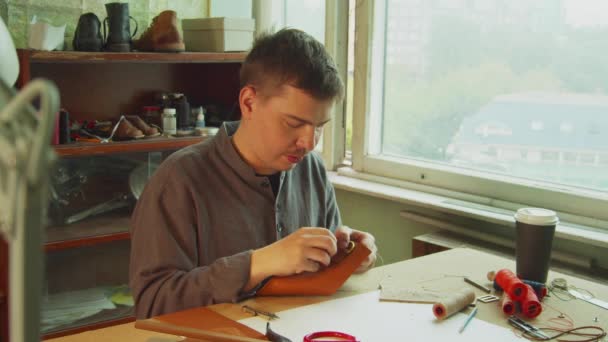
(219, 217)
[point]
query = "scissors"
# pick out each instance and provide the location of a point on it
(324, 335)
(527, 328)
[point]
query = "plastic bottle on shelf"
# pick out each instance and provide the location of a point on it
(182, 109)
(200, 117)
(169, 122)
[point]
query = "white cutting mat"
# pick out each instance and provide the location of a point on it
(369, 319)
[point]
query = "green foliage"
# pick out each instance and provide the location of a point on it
(468, 67)
(421, 118)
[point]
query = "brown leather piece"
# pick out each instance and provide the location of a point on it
(148, 130)
(321, 283)
(162, 35)
(126, 131)
(199, 323)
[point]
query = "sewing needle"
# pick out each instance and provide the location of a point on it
(255, 312)
(467, 320)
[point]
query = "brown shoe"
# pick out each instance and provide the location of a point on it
(126, 131)
(148, 130)
(162, 35)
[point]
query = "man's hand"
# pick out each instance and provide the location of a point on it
(346, 234)
(305, 250)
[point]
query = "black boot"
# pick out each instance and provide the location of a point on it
(119, 35)
(88, 33)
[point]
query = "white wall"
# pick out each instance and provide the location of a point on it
(394, 233)
(381, 218)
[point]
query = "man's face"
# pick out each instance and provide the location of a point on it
(287, 125)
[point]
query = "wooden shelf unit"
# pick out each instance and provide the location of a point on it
(101, 324)
(105, 228)
(142, 57)
(103, 86)
(143, 145)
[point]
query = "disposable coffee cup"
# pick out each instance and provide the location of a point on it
(535, 228)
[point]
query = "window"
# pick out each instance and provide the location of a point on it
(566, 127)
(587, 158)
(537, 125)
(306, 15)
(569, 157)
(485, 99)
(550, 156)
(492, 128)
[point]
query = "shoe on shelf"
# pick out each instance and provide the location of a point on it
(87, 36)
(139, 123)
(126, 131)
(162, 35)
(117, 25)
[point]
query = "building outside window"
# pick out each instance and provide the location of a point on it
(514, 92)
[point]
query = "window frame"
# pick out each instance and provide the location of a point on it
(336, 43)
(505, 192)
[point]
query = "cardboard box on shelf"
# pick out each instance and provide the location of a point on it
(218, 34)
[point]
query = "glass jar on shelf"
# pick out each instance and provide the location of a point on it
(152, 115)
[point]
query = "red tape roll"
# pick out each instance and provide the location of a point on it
(530, 305)
(508, 307)
(509, 283)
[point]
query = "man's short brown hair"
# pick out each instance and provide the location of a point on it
(292, 57)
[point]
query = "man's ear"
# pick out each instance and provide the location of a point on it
(247, 99)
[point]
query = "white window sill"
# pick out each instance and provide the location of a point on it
(585, 230)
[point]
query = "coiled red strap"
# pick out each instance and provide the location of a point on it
(324, 334)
